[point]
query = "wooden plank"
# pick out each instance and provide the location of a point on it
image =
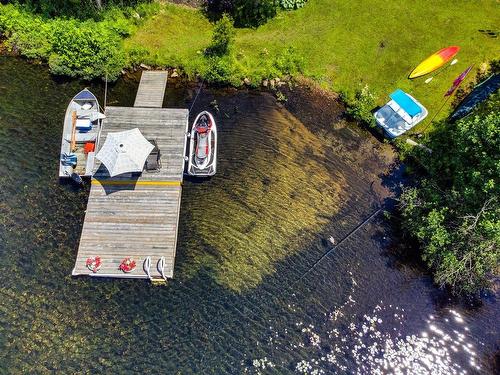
(126, 234)
(170, 136)
(137, 216)
(151, 89)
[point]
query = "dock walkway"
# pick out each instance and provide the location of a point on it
(137, 215)
(151, 90)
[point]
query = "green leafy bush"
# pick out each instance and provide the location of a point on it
(455, 212)
(137, 55)
(82, 9)
(222, 37)
(220, 70)
(292, 4)
(87, 49)
(24, 33)
(360, 108)
(289, 62)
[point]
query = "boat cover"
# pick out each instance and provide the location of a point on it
(84, 95)
(406, 103)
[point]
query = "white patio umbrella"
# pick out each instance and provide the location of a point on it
(124, 152)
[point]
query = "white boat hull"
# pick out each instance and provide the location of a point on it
(87, 130)
(393, 120)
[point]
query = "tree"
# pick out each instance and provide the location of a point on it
(246, 13)
(222, 37)
(73, 8)
(454, 213)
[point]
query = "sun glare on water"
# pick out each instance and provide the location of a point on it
(373, 344)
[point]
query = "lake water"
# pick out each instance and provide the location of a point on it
(245, 298)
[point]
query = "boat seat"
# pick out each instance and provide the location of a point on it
(82, 137)
(384, 113)
(153, 162)
(83, 124)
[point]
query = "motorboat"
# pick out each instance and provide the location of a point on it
(82, 126)
(202, 159)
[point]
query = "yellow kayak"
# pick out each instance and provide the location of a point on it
(434, 61)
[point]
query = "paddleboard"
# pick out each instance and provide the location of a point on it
(434, 61)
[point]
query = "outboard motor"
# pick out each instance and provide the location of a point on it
(76, 179)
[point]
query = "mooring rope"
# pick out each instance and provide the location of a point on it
(340, 243)
(198, 93)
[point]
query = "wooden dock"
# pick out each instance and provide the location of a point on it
(137, 215)
(151, 90)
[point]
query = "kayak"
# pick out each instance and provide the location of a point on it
(434, 61)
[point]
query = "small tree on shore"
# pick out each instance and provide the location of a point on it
(360, 107)
(222, 37)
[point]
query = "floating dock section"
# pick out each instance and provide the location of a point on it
(136, 215)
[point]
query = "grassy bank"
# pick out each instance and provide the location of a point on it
(343, 45)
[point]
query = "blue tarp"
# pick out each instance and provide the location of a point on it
(406, 103)
(84, 95)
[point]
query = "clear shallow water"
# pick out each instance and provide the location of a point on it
(239, 303)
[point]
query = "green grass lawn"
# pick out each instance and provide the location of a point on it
(175, 37)
(344, 44)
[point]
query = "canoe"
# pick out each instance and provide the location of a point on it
(480, 93)
(434, 61)
(81, 130)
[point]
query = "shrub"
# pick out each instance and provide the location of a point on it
(215, 9)
(251, 13)
(25, 33)
(292, 4)
(361, 107)
(219, 70)
(137, 55)
(75, 8)
(222, 37)
(115, 20)
(89, 50)
(289, 62)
